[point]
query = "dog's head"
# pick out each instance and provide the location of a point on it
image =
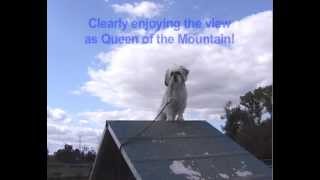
(177, 74)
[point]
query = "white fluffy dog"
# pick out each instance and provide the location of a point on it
(175, 97)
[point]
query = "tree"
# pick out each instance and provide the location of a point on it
(91, 155)
(70, 155)
(258, 102)
(245, 123)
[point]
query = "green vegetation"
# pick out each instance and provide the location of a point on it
(69, 163)
(250, 122)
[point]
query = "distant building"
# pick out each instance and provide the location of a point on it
(173, 151)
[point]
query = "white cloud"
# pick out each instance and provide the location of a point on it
(100, 117)
(76, 92)
(61, 130)
(131, 78)
(57, 115)
(138, 9)
(60, 134)
(56, 130)
(132, 75)
(83, 122)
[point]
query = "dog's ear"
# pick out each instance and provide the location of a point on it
(185, 72)
(167, 78)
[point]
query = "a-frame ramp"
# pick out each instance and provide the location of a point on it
(188, 150)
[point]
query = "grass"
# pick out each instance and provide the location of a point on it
(66, 171)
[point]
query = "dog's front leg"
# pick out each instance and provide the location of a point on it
(170, 115)
(180, 117)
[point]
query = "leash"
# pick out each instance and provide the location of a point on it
(146, 127)
(138, 134)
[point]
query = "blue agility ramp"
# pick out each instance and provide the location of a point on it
(188, 150)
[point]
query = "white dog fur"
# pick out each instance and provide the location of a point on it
(175, 96)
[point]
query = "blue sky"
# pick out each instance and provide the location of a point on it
(69, 59)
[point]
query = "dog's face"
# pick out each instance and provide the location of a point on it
(177, 75)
